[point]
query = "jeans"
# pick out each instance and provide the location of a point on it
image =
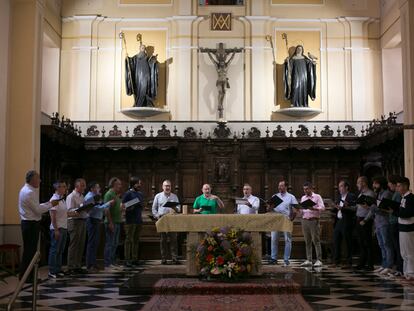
(395, 238)
(92, 227)
(385, 244)
(132, 233)
(275, 242)
(30, 234)
(57, 248)
(111, 244)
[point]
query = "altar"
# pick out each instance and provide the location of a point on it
(196, 225)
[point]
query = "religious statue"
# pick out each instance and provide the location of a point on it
(300, 78)
(142, 77)
(221, 59)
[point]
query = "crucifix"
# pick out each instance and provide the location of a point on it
(221, 59)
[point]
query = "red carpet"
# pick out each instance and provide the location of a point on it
(193, 295)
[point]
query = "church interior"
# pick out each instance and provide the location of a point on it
(229, 94)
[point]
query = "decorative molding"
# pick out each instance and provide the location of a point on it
(302, 131)
(327, 132)
(163, 132)
(254, 133)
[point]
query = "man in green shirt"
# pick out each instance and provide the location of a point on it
(113, 219)
(207, 203)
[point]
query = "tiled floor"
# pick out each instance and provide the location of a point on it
(349, 291)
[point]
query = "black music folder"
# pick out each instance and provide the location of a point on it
(365, 199)
(306, 204)
(387, 203)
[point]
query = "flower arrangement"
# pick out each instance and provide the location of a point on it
(225, 253)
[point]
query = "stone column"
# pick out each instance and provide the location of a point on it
(4, 59)
(24, 105)
(407, 40)
(262, 100)
(179, 93)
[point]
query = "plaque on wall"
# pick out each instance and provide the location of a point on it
(221, 21)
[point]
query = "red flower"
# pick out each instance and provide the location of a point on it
(210, 248)
(239, 253)
(220, 260)
(209, 257)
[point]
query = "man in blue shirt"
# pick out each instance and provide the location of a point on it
(284, 208)
(133, 221)
(93, 223)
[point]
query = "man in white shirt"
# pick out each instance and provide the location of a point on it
(159, 210)
(284, 208)
(252, 203)
(58, 230)
(76, 226)
(31, 211)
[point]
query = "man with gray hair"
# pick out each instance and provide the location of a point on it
(31, 211)
(159, 210)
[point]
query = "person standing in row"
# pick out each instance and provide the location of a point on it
(395, 234)
(252, 203)
(311, 226)
(159, 210)
(58, 230)
(345, 223)
(406, 226)
(30, 211)
(113, 222)
(364, 224)
(285, 208)
(93, 223)
(207, 203)
(382, 225)
(76, 227)
(133, 221)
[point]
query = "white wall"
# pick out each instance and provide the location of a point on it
(50, 76)
(392, 80)
(4, 58)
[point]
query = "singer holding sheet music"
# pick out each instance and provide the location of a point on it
(30, 211)
(133, 200)
(158, 210)
(93, 223)
(364, 226)
(284, 208)
(113, 222)
(207, 203)
(249, 204)
(311, 213)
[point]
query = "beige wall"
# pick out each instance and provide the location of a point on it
(348, 48)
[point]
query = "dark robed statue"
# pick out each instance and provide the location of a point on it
(142, 77)
(300, 78)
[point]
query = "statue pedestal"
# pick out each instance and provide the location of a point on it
(143, 112)
(298, 111)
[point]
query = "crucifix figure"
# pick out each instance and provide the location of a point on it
(221, 59)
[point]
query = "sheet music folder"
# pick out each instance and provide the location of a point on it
(306, 204)
(365, 199)
(387, 203)
(130, 204)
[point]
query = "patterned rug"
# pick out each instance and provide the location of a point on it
(175, 294)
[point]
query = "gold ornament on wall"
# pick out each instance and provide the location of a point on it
(221, 21)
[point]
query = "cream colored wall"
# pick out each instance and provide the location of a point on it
(349, 66)
(50, 76)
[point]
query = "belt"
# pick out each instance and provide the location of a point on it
(312, 218)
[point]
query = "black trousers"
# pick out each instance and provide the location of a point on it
(365, 243)
(30, 234)
(343, 231)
